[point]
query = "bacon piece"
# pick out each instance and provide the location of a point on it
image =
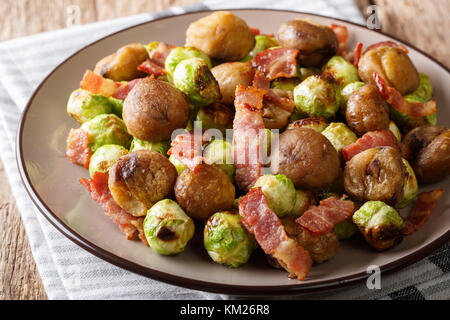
(255, 31)
(372, 139)
(342, 35)
(159, 55)
(123, 91)
(355, 56)
(128, 224)
(276, 63)
(388, 44)
(260, 81)
(96, 84)
(150, 67)
(248, 135)
(78, 150)
(426, 202)
(323, 218)
(187, 148)
(265, 225)
(398, 102)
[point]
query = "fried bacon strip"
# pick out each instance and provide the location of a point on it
(372, 139)
(265, 225)
(150, 67)
(187, 148)
(99, 190)
(248, 135)
(323, 218)
(342, 35)
(355, 56)
(277, 63)
(159, 55)
(398, 102)
(123, 91)
(425, 204)
(97, 84)
(78, 150)
(260, 81)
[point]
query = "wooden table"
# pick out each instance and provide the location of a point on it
(422, 23)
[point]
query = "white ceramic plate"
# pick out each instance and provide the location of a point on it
(53, 182)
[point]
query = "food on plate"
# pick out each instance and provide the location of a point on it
(325, 142)
(227, 241)
(167, 228)
(380, 224)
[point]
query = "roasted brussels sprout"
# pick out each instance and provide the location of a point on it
(347, 91)
(261, 43)
(279, 191)
(167, 228)
(227, 241)
(183, 53)
(106, 129)
(303, 200)
(229, 75)
(425, 90)
(160, 147)
(216, 116)
(117, 106)
(380, 224)
(317, 124)
(317, 96)
(341, 70)
(411, 187)
(219, 152)
(345, 230)
(193, 77)
(339, 135)
(395, 130)
(179, 166)
(105, 157)
(123, 65)
(83, 105)
(221, 35)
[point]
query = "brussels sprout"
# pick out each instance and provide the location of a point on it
(105, 157)
(303, 200)
(183, 53)
(160, 147)
(193, 77)
(425, 90)
(227, 241)
(216, 116)
(286, 84)
(279, 191)
(219, 152)
(167, 228)
(339, 135)
(106, 129)
(380, 224)
(303, 73)
(410, 188)
(395, 130)
(261, 43)
(341, 70)
(317, 124)
(117, 106)
(317, 96)
(348, 90)
(84, 106)
(345, 230)
(178, 164)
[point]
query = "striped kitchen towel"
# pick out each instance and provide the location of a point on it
(69, 272)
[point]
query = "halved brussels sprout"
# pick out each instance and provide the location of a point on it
(261, 43)
(106, 129)
(339, 135)
(317, 96)
(177, 164)
(411, 186)
(317, 124)
(84, 106)
(395, 130)
(279, 191)
(117, 106)
(193, 77)
(341, 70)
(167, 228)
(219, 152)
(348, 90)
(160, 147)
(105, 157)
(216, 116)
(345, 230)
(380, 224)
(303, 200)
(227, 241)
(180, 54)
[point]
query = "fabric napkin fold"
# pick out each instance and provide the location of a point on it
(69, 272)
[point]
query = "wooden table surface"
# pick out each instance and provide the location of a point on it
(422, 23)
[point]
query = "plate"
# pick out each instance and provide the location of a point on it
(53, 182)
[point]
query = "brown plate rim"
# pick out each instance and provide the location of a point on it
(213, 287)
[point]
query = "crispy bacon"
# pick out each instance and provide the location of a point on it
(260, 81)
(150, 67)
(398, 102)
(277, 63)
(426, 202)
(356, 54)
(128, 224)
(323, 218)
(388, 44)
(255, 31)
(248, 135)
(265, 225)
(369, 140)
(159, 55)
(342, 35)
(187, 148)
(96, 84)
(123, 91)
(78, 150)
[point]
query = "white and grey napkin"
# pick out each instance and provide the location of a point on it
(69, 272)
